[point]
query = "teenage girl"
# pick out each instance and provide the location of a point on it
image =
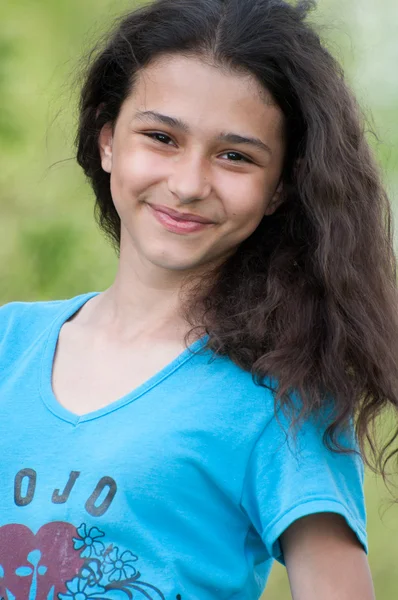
(171, 436)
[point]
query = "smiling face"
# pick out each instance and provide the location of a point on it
(194, 140)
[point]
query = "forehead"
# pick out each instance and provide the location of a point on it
(206, 96)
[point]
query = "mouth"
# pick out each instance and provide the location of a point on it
(177, 224)
(178, 216)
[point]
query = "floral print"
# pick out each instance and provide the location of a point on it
(91, 571)
(121, 567)
(107, 572)
(65, 563)
(89, 541)
(79, 589)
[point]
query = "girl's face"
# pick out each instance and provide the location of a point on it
(192, 140)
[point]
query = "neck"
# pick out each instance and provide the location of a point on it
(143, 302)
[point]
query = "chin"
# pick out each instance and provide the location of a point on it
(175, 261)
(176, 265)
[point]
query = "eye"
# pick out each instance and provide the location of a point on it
(159, 137)
(241, 157)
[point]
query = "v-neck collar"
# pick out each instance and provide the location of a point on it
(45, 379)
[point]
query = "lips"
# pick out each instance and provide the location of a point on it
(180, 216)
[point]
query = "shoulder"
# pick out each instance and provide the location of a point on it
(23, 322)
(15, 313)
(19, 314)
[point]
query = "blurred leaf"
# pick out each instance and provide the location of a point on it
(48, 250)
(10, 131)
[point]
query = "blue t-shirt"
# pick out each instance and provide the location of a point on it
(177, 491)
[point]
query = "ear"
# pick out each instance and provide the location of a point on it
(105, 141)
(275, 201)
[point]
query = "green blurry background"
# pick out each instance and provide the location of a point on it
(50, 246)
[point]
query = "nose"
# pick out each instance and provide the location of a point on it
(189, 179)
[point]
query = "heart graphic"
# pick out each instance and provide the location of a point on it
(37, 565)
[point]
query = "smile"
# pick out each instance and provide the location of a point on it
(177, 225)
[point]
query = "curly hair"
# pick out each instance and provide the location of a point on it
(310, 297)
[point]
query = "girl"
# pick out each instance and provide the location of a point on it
(170, 437)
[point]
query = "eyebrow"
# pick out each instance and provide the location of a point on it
(151, 115)
(235, 138)
(229, 137)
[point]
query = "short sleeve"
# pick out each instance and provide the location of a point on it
(285, 481)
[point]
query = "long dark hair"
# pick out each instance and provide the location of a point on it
(310, 297)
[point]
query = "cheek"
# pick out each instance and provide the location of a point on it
(134, 170)
(245, 205)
